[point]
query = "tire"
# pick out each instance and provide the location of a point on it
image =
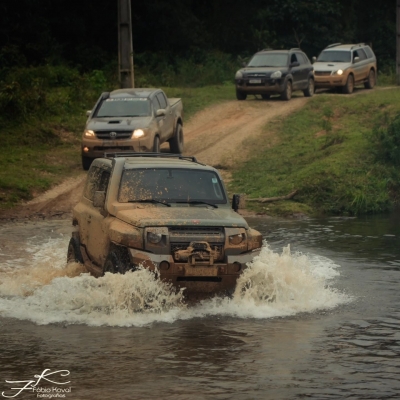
(116, 263)
(287, 93)
(349, 86)
(266, 96)
(86, 162)
(309, 92)
(370, 83)
(156, 145)
(240, 95)
(176, 142)
(74, 251)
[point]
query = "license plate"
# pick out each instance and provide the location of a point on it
(254, 80)
(201, 271)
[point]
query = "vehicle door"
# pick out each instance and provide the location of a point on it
(96, 221)
(295, 70)
(360, 65)
(168, 120)
(305, 69)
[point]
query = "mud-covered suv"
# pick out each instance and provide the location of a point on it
(344, 66)
(164, 212)
(275, 72)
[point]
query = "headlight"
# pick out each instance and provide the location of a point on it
(236, 239)
(89, 134)
(239, 75)
(138, 133)
(276, 75)
(154, 237)
(339, 72)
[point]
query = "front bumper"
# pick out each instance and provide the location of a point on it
(95, 148)
(327, 81)
(265, 86)
(198, 278)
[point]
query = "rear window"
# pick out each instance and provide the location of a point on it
(124, 107)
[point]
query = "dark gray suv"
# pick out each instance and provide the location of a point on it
(275, 72)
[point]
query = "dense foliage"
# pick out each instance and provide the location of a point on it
(165, 32)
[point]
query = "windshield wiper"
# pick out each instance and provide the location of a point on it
(150, 201)
(198, 202)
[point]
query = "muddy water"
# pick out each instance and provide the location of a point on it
(333, 331)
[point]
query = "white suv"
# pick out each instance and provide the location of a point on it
(345, 66)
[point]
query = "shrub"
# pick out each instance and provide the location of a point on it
(385, 139)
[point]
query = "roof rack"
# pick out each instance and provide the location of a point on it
(161, 155)
(357, 45)
(333, 45)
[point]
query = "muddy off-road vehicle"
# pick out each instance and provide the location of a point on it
(164, 212)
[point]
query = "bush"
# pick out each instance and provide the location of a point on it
(385, 139)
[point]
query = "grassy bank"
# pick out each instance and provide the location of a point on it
(326, 152)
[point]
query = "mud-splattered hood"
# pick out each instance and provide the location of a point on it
(118, 123)
(178, 216)
(330, 66)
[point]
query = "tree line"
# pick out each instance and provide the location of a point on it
(84, 33)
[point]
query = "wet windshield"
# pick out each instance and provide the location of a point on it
(269, 60)
(335, 56)
(171, 185)
(124, 107)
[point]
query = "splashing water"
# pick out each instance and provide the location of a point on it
(273, 285)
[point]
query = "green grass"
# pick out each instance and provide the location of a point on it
(196, 99)
(324, 152)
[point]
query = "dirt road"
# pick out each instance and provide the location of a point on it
(213, 135)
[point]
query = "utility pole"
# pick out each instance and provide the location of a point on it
(125, 47)
(398, 42)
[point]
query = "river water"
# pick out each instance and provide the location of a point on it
(333, 331)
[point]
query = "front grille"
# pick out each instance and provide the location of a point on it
(196, 234)
(113, 135)
(181, 237)
(256, 76)
(322, 73)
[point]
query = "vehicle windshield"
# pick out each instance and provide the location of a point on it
(171, 185)
(335, 56)
(269, 60)
(124, 107)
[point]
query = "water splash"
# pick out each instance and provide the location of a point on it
(274, 285)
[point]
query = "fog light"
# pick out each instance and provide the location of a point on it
(164, 265)
(237, 266)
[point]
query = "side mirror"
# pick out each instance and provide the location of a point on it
(244, 64)
(314, 59)
(99, 199)
(238, 202)
(294, 64)
(356, 59)
(88, 112)
(161, 112)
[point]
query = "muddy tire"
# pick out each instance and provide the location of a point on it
(309, 92)
(74, 251)
(370, 83)
(117, 262)
(240, 95)
(266, 96)
(156, 145)
(176, 143)
(349, 86)
(287, 93)
(86, 162)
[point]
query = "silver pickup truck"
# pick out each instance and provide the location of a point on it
(134, 120)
